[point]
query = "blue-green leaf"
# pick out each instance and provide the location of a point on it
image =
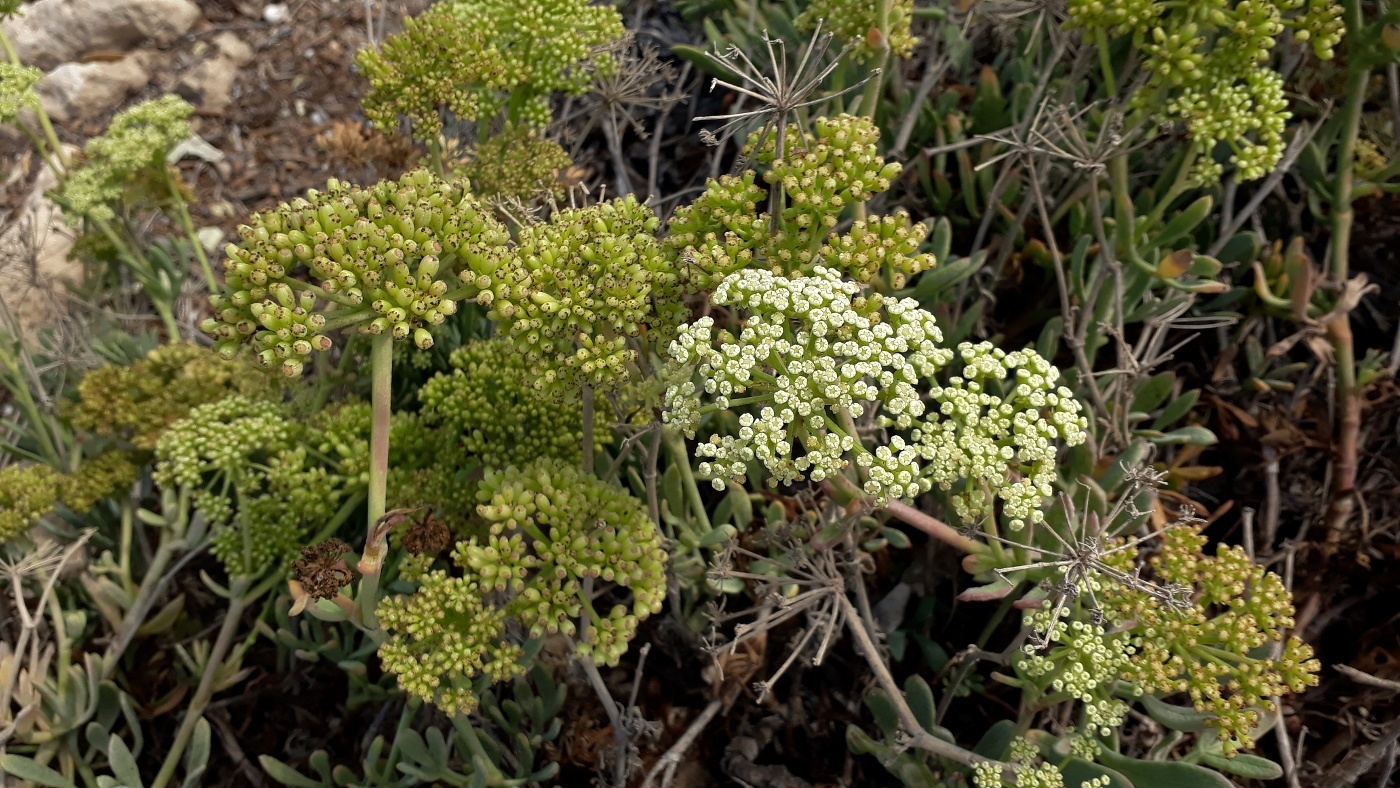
(1163, 774)
(32, 771)
(1245, 765)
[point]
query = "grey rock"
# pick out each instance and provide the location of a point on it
(52, 32)
(209, 85)
(76, 92)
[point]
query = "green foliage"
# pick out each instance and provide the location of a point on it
(135, 146)
(575, 290)
(505, 753)
(384, 255)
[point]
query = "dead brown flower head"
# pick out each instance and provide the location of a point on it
(321, 570)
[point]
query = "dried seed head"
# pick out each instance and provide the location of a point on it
(321, 571)
(428, 536)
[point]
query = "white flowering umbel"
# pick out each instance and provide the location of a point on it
(811, 352)
(1002, 421)
(814, 355)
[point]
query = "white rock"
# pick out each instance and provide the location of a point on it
(35, 261)
(276, 13)
(76, 92)
(209, 85)
(50, 32)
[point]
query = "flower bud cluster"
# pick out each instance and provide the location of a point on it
(819, 174)
(221, 438)
(17, 90)
(488, 402)
(517, 163)
(1207, 650)
(553, 528)
(443, 61)
(27, 492)
(1002, 420)
(857, 22)
(136, 142)
(251, 473)
(720, 232)
(577, 287)
(1207, 68)
(1251, 115)
(426, 465)
(270, 527)
(385, 255)
(107, 475)
(133, 404)
(547, 46)
(809, 352)
(872, 246)
(442, 636)
(477, 58)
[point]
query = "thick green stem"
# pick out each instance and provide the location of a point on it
(381, 360)
(870, 101)
(587, 396)
(205, 692)
(188, 222)
(675, 448)
(1348, 426)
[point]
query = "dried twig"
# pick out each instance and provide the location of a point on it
(666, 765)
(1362, 677)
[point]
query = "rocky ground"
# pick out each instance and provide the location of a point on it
(273, 84)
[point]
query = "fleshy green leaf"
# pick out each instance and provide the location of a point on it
(32, 771)
(1077, 771)
(1178, 718)
(997, 740)
(1245, 765)
(920, 698)
(122, 762)
(1163, 774)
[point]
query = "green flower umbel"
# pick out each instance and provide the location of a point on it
(554, 533)
(578, 287)
(136, 142)
(553, 528)
(489, 402)
(385, 258)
